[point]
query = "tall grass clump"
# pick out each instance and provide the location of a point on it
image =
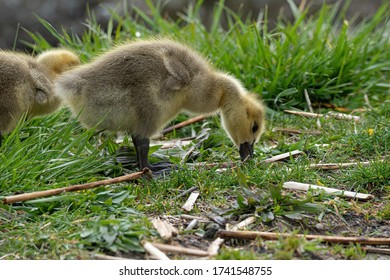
(325, 53)
(52, 151)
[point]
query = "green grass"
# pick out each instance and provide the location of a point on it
(339, 63)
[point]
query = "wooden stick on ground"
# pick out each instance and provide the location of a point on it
(376, 250)
(337, 192)
(153, 251)
(325, 238)
(339, 116)
(34, 195)
(193, 224)
(164, 228)
(214, 246)
(106, 257)
(233, 165)
(212, 165)
(189, 205)
(282, 156)
(288, 130)
(332, 166)
(217, 243)
(190, 190)
(304, 114)
(296, 131)
(183, 124)
(180, 250)
(191, 217)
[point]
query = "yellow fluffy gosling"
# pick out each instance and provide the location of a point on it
(26, 84)
(140, 86)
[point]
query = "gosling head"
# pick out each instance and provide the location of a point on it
(244, 121)
(57, 61)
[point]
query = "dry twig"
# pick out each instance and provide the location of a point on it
(164, 228)
(191, 217)
(194, 223)
(233, 165)
(189, 205)
(183, 124)
(213, 164)
(180, 250)
(244, 223)
(252, 235)
(106, 257)
(282, 156)
(153, 251)
(368, 249)
(332, 166)
(337, 192)
(217, 243)
(34, 195)
(339, 116)
(296, 131)
(190, 190)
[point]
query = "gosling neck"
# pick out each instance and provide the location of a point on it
(231, 92)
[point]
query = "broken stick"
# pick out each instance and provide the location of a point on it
(34, 195)
(189, 205)
(153, 251)
(233, 165)
(180, 250)
(282, 156)
(332, 166)
(296, 131)
(190, 190)
(376, 250)
(183, 124)
(337, 192)
(252, 235)
(217, 243)
(339, 116)
(226, 165)
(98, 256)
(164, 228)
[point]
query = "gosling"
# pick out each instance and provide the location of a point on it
(57, 61)
(26, 84)
(139, 87)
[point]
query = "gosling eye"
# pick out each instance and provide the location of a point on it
(255, 127)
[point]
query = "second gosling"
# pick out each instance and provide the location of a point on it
(57, 61)
(26, 84)
(139, 87)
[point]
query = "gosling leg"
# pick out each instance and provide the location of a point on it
(142, 149)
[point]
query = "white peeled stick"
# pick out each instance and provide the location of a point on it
(337, 192)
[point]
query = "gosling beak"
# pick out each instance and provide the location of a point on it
(246, 151)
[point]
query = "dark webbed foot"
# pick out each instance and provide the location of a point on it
(142, 149)
(161, 168)
(127, 157)
(163, 165)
